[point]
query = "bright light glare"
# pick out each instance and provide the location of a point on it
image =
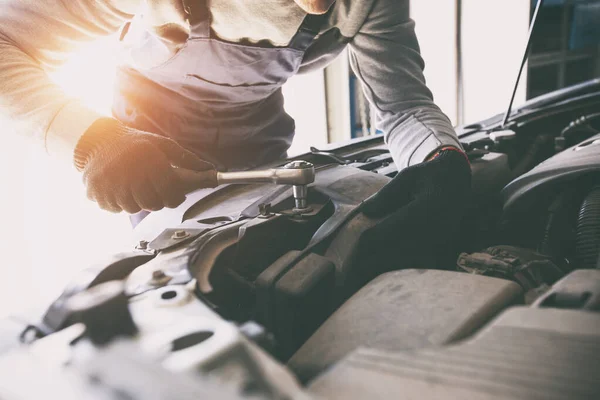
(49, 229)
(89, 75)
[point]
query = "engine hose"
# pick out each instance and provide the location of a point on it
(588, 230)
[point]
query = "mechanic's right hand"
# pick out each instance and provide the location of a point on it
(129, 170)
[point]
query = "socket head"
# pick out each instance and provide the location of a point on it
(306, 170)
(298, 164)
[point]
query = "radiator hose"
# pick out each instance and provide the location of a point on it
(588, 230)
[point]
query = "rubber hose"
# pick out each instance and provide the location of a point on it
(588, 231)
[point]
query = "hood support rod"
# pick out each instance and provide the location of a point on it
(538, 7)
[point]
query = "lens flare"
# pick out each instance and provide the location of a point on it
(89, 75)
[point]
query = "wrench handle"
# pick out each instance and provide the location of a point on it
(194, 180)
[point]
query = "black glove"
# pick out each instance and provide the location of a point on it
(131, 170)
(423, 207)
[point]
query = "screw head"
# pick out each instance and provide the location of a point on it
(142, 245)
(180, 234)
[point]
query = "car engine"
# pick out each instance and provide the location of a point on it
(240, 293)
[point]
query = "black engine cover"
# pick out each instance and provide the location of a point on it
(573, 163)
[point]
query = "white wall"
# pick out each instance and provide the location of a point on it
(337, 76)
(494, 37)
(305, 102)
(435, 28)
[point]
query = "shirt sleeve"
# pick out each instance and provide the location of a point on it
(37, 36)
(386, 59)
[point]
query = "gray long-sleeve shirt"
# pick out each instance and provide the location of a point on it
(36, 36)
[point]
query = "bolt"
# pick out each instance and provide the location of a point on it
(180, 235)
(159, 278)
(142, 245)
(300, 196)
(158, 275)
(264, 209)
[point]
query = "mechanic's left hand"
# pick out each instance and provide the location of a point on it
(424, 205)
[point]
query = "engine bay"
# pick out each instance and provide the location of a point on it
(239, 293)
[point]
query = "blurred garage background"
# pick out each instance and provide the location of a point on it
(472, 50)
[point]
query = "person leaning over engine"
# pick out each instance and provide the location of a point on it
(203, 88)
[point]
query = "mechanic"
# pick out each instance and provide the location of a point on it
(203, 88)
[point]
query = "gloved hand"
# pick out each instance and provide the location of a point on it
(131, 170)
(423, 207)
